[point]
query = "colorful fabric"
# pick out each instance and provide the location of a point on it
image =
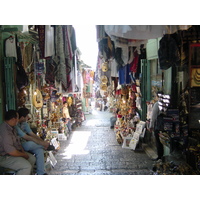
(134, 63)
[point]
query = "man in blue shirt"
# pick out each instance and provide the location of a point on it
(30, 141)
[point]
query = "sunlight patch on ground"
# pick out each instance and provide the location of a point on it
(77, 144)
(92, 122)
(94, 112)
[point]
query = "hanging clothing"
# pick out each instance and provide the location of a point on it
(67, 44)
(10, 47)
(100, 32)
(134, 64)
(50, 72)
(41, 34)
(124, 77)
(28, 56)
(59, 58)
(113, 67)
(49, 41)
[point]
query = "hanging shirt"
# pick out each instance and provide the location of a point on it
(113, 67)
(10, 48)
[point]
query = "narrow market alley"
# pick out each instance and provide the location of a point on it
(92, 149)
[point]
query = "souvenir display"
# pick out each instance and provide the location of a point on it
(104, 67)
(43, 70)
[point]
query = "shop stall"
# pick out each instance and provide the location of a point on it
(41, 70)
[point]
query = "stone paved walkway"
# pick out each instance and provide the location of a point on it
(92, 149)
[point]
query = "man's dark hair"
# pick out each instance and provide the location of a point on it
(10, 114)
(160, 92)
(23, 112)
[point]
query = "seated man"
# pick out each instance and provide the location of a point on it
(12, 154)
(30, 141)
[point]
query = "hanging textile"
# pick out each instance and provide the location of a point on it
(100, 32)
(142, 32)
(49, 41)
(73, 40)
(68, 56)
(41, 34)
(134, 63)
(50, 72)
(10, 47)
(59, 58)
(21, 76)
(118, 57)
(67, 45)
(124, 75)
(28, 55)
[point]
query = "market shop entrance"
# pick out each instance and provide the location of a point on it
(92, 149)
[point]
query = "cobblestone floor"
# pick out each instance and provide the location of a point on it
(93, 150)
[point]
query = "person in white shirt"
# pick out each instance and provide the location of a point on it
(154, 115)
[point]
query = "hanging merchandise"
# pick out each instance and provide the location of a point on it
(37, 99)
(21, 78)
(69, 101)
(195, 77)
(39, 68)
(134, 63)
(168, 52)
(103, 87)
(59, 57)
(21, 97)
(104, 79)
(104, 67)
(10, 47)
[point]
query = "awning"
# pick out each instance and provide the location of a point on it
(142, 32)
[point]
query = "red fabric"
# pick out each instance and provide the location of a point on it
(134, 64)
(134, 88)
(118, 92)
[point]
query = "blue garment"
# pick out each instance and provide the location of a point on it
(25, 127)
(38, 150)
(19, 131)
(69, 126)
(31, 146)
(124, 76)
(127, 74)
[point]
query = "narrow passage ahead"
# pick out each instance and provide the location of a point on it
(92, 149)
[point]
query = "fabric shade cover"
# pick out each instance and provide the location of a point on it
(142, 32)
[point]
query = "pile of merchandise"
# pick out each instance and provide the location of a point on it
(170, 168)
